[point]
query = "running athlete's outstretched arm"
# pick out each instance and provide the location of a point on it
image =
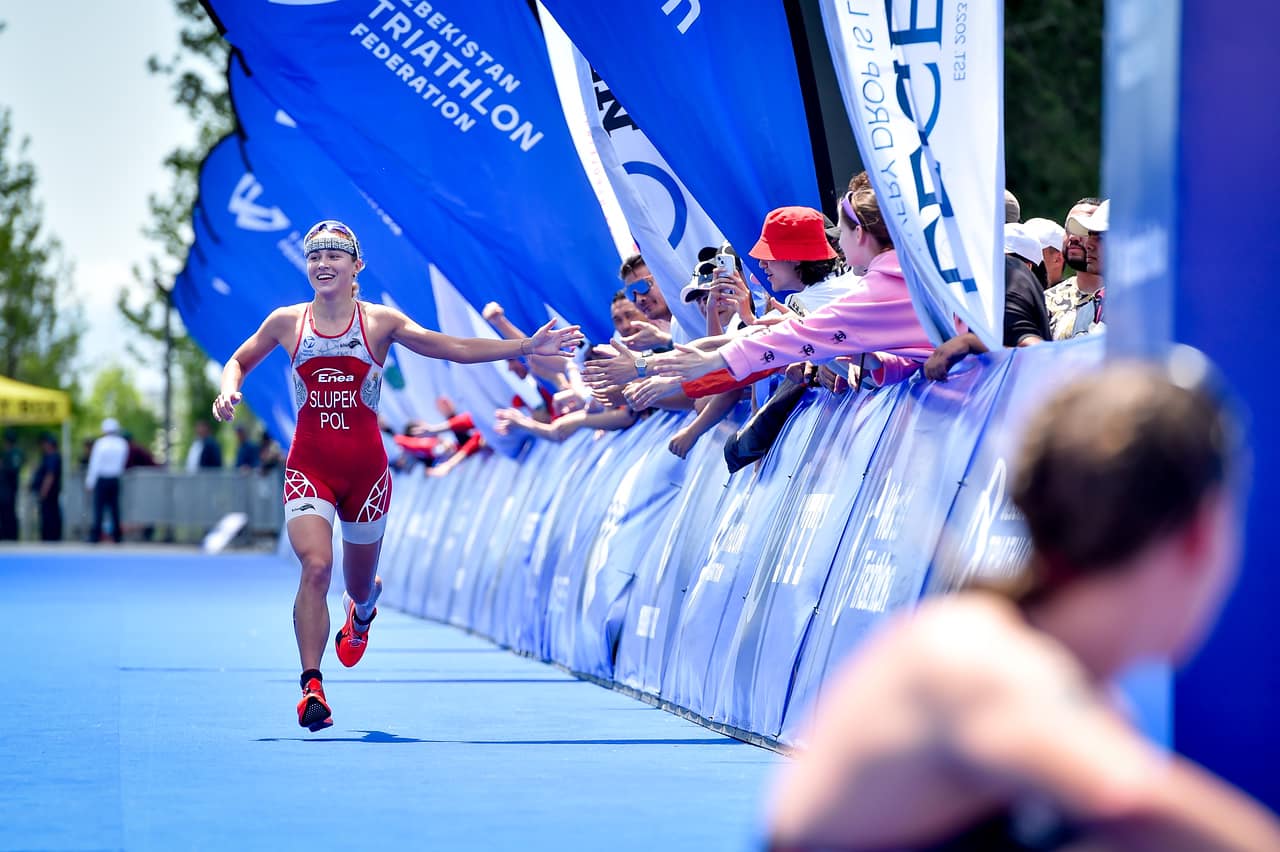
(275, 330)
(471, 350)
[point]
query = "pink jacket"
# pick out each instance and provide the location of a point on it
(877, 317)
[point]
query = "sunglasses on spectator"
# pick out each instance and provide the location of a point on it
(847, 204)
(639, 287)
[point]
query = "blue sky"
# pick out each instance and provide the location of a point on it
(73, 74)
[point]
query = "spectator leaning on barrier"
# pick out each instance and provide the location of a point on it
(876, 316)
(1076, 305)
(1026, 319)
(107, 461)
(925, 739)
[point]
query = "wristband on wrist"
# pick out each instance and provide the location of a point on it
(523, 343)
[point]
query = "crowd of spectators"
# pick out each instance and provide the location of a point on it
(833, 315)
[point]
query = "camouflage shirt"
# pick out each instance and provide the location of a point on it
(1072, 312)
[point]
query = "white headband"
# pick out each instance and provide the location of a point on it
(324, 240)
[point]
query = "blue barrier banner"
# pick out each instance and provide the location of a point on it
(667, 569)
(543, 539)
(796, 562)
(984, 536)
(706, 71)
(569, 564)
(448, 559)
(883, 557)
(473, 604)
(446, 114)
(639, 514)
(709, 611)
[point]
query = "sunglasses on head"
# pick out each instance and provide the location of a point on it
(639, 287)
(331, 225)
(846, 204)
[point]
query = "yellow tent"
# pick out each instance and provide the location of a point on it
(29, 405)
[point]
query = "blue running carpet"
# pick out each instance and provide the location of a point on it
(149, 704)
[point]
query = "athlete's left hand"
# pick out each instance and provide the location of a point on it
(556, 341)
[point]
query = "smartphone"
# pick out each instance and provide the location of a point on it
(725, 264)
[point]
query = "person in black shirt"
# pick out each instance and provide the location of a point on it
(10, 463)
(46, 485)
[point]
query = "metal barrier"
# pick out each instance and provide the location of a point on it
(162, 505)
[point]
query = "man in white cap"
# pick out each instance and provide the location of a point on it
(1076, 305)
(106, 464)
(1026, 321)
(1051, 236)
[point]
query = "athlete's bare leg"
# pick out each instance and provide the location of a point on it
(359, 568)
(312, 540)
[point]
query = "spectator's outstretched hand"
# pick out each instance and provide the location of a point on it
(682, 442)
(644, 393)
(549, 340)
(492, 311)
(646, 336)
(618, 369)
(686, 363)
(945, 357)
(832, 381)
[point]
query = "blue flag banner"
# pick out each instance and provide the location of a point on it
(923, 83)
(880, 566)
(291, 168)
(448, 116)
(664, 220)
(716, 91)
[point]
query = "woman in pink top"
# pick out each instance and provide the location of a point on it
(876, 317)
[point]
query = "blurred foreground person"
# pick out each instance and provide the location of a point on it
(983, 721)
(337, 465)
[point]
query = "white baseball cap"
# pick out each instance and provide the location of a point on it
(110, 425)
(1097, 221)
(1046, 231)
(1018, 241)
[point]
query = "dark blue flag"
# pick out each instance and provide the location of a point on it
(446, 113)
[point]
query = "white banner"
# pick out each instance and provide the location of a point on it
(923, 83)
(665, 221)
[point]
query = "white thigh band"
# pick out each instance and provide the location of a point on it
(363, 532)
(300, 506)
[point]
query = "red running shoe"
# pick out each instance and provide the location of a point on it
(353, 636)
(313, 710)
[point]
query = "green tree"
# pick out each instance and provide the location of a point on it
(115, 394)
(197, 71)
(1052, 103)
(39, 342)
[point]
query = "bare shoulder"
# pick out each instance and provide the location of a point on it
(978, 648)
(285, 317)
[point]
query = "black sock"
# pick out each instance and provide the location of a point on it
(309, 674)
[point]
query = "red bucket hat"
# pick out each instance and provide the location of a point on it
(793, 233)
